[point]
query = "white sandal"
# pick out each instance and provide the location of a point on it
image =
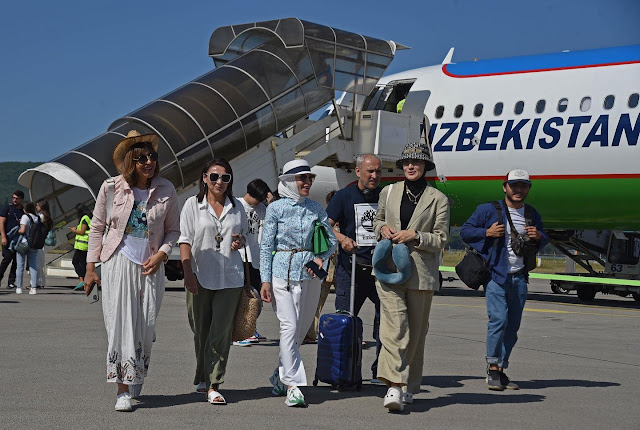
(214, 396)
(393, 399)
(407, 398)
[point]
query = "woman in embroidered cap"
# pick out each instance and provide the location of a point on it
(287, 245)
(132, 238)
(416, 214)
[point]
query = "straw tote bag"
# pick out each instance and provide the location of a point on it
(244, 322)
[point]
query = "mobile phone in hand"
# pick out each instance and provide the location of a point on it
(317, 270)
(93, 296)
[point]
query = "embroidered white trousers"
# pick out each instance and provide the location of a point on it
(295, 308)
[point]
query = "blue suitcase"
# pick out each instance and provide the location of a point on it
(340, 347)
(339, 351)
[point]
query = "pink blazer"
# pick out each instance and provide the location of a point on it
(163, 218)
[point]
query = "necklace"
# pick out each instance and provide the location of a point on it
(218, 237)
(413, 198)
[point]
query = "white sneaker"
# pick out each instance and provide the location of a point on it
(241, 343)
(18, 290)
(393, 399)
(295, 398)
(123, 403)
(32, 291)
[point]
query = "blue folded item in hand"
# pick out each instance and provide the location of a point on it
(401, 258)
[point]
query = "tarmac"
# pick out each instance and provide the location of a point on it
(575, 364)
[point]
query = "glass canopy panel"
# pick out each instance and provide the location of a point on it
(259, 126)
(322, 57)
(101, 150)
(85, 168)
(270, 72)
(196, 100)
(296, 58)
(349, 39)
(318, 31)
(192, 160)
(236, 87)
(173, 124)
(229, 143)
(349, 70)
(289, 108)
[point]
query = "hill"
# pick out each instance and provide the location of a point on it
(9, 172)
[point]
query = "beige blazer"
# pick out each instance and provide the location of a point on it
(430, 219)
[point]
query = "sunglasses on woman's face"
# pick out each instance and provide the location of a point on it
(142, 159)
(225, 177)
(310, 177)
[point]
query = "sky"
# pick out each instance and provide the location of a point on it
(70, 68)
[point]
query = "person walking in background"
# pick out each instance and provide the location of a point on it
(258, 192)
(509, 264)
(414, 214)
(211, 233)
(145, 223)
(287, 245)
(10, 216)
(362, 196)
(28, 220)
(42, 208)
(81, 244)
(325, 287)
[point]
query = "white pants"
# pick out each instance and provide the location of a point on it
(130, 303)
(295, 309)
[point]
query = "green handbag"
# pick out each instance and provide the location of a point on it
(320, 239)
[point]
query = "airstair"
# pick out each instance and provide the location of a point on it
(252, 109)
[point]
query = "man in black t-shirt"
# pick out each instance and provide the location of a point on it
(363, 197)
(10, 215)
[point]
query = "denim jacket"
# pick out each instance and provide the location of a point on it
(473, 232)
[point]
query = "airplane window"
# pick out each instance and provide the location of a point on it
(540, 106)
(562, 105)
(458, 111)
(439, 112)
(497, 110)
(585, 104)
(633, 100)
(519, 107)
(608, 101)
(478, 110)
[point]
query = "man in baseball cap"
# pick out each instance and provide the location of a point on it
(511, 253)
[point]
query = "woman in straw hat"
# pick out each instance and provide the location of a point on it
(211, 227)
(286, 247)
(416, 215)
(144, 225)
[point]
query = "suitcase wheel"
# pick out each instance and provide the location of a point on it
(315, 382)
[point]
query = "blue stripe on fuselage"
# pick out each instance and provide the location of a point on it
(621, 54)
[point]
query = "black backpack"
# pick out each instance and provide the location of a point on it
(37, 234)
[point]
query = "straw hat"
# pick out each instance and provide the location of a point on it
(125, 145)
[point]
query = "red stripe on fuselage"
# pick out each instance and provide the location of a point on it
(515, 72)
(533, 177)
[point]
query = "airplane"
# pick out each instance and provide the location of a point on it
(570, 118)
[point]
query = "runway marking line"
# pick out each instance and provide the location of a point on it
(551, 311)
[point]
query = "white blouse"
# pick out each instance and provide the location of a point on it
(216, 269)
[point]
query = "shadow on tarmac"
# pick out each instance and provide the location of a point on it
(538, 384)
(424, 405)
(550, 297)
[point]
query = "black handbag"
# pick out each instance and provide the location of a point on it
(474, 270)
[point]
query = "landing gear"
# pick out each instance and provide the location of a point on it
(586, 293)
(558, 289)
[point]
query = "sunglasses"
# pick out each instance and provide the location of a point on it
(142, 159)
(225, 177)
(310, 177)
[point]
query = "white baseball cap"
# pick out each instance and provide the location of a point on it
(517, 175)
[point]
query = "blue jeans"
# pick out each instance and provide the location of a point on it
(504, 307)
(32, 260)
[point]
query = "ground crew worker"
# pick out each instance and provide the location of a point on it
(81, 244)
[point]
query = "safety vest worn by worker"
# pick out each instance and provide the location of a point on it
(400, 105)
(82, 240)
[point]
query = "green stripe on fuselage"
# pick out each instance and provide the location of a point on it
(581, 204)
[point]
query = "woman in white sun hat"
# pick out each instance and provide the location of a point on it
(287, 245)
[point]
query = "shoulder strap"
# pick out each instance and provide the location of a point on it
(496, 204)
(514, 232)
(528, 215)
(111, 189)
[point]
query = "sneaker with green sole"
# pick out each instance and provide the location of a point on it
(295, 398)
(278, 387)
